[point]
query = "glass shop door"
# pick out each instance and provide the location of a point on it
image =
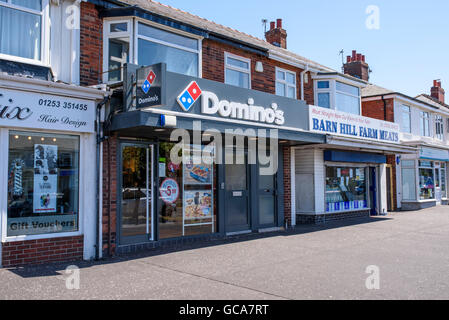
(136, 196)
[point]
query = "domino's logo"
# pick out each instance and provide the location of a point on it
(189, 96)
(148, 82)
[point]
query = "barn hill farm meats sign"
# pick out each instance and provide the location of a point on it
(42, 111)
(339, 123)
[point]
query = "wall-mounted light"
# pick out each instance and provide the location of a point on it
(259, 66)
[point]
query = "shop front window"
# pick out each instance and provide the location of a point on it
(346, 189)
(426, 180)
(43, 183)
(186, 192)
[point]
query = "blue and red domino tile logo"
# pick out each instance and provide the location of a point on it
(189, 96)
(148, 81)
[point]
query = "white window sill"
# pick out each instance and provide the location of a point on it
(41, 236)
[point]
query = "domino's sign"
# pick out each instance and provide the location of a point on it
(150, 86)
(212, 105)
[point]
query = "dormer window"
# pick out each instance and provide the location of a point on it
(337, 95)
(22, 25)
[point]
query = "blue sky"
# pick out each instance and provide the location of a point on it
(407, 52)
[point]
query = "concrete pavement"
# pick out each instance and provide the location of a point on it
(411, 250)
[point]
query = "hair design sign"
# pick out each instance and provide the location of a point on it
(41, 111)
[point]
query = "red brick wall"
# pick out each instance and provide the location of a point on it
(213, 69)
(42, 251)
(375, 109)
(91, 45)
(287, 186)
(110, 154)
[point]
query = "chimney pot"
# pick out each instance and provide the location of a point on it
(279, 23)
(359, 57)
(363, 58)
(348, 59)
(272, 26)
(354, 54)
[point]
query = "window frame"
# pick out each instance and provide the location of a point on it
(242, 59)
(332, 90)
(107, 35)
(423, 116)
(133, 35)
(4, 161)
(439, 126)
(45, 34)
(284, 82)
(409, 112)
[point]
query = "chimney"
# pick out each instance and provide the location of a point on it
(276, 35)
(356, 66)
(436, 91)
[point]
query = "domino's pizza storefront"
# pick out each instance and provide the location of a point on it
(47, 179)
(193, 158)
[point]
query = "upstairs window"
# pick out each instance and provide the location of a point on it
(180, 53)
(337, 95)
(145, 45)
(285, 83)
(347, 98)
(118, 37)
(237, 71)
(21, 28)
(425, 124)
(439, 127)
(406, 119)
(323, 94)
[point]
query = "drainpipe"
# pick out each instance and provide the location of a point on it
(98, 196)
(302, 80)
(385, 107)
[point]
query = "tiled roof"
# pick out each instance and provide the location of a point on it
(373, 90)
(431, 100)
(196, 21)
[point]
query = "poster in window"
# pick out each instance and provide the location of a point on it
(45, 159)
(44, 195)
(45, 178)
(197, 173)
(198, 205)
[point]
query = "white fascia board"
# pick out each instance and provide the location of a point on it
(369, 145)
(341, 79)
(49, 87)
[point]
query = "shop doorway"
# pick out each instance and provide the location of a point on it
(373, 190)
(390, 189)
(438, 193)
(237, 197)
(136, 203)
